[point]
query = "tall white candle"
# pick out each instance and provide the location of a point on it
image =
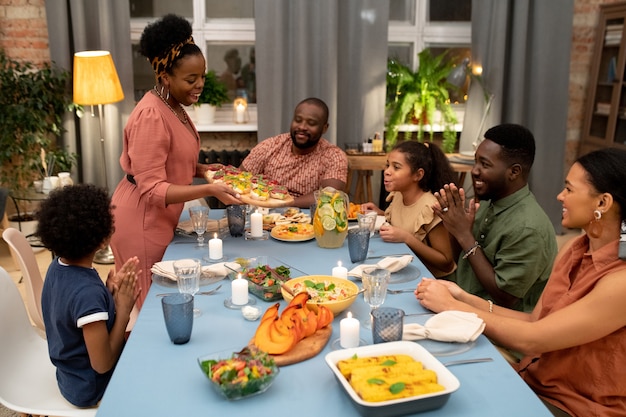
(256, 224)
(240, 113)
(349, 329)
(340, 271)
(239, 289)
(215, 248)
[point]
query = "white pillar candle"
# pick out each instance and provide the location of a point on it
(349, 329)
(239, 288)
(215, 248)
(256, 224)
(340, 271)
(240, 111)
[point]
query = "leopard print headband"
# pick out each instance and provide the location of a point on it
(163, 62)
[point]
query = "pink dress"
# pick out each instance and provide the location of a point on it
(158, 151)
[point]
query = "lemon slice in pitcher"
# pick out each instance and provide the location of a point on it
(328, 223)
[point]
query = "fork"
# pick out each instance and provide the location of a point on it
(390, 291)
(210, 292)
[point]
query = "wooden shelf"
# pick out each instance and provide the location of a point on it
(605, 122)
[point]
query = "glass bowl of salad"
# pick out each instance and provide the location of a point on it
(265, 275)
(237, 375)
(335, 293)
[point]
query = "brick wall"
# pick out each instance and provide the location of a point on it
(24, 31)
(23, 35)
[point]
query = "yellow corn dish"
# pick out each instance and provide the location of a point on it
(388, 377)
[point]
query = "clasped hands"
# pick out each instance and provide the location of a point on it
(450, 207)
(438, 295)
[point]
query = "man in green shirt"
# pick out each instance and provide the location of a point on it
(507, 242)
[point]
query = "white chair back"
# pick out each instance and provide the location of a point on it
(27, 377)
(30, 271)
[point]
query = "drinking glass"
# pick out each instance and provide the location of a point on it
(375, 281)
(199, 216)
(236, 216)
(387, 324)
(188, 278)
(358, 243)
(178, 315)
(367, 220)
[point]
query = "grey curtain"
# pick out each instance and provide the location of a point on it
(334, 50)
(81, 25)
(524, 49)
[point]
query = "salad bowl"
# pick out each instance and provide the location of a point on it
(335, 293)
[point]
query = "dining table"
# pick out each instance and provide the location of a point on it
(155, 377)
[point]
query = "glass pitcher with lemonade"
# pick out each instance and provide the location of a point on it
(330, 222)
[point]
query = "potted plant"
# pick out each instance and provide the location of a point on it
(33, 102)
(419, 96)
(213, 95)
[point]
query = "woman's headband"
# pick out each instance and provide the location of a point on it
(162, 63)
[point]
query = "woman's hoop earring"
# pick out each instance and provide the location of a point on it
(595, 227)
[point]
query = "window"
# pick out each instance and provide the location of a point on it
(224, 30)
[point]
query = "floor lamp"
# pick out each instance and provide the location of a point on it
(96, 83)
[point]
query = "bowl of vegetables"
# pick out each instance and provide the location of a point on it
(335, 293)
(237, 375)
(265, 275)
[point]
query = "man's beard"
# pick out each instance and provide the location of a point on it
(308, 144)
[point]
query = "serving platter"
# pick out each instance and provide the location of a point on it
(400, 406)
(305, 232)
(269, 203)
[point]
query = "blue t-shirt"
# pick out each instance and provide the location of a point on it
(72, 297)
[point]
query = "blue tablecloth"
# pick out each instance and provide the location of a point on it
(156, 378)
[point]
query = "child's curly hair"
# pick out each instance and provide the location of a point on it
(75, 220)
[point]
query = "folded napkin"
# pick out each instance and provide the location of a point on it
(380, 220)
(448, 326)
(213, 226)
(391, 263)
(219, 270)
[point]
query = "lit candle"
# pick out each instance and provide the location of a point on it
(215, 248)
(239, 289)
(256, 224)
(340, 271)
(349, 329)
(240, 113)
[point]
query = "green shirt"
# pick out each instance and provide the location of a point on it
(518, 239)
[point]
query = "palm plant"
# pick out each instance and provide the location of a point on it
(414, 96)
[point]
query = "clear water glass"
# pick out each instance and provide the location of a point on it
(188, 278)
(199, 216)
(375, 282)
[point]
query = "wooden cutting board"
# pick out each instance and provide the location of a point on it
(269, 203)
(306, 348)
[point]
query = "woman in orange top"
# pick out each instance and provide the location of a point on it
(160, 153)
(575, 338)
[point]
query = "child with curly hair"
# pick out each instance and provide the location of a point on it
(85, 320)
(414, 170)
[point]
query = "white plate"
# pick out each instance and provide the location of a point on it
(407, 274)
(399, 406)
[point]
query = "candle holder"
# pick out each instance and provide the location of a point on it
(336, 344)
(228, 303)
(240, 110)
(264, 236)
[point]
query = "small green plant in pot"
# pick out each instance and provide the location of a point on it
(414, 97)
(213, 95)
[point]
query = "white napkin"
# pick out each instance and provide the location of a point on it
(448, 326)
(391, 263)
(222, 269)
(380, 220)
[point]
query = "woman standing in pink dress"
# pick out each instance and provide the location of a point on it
(160, 152)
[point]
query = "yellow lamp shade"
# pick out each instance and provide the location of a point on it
(95, 79)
